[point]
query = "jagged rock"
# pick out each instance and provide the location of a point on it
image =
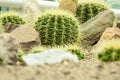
(108, 34)
(27, 36)
(31, 9)
(9, 27)
(93, 28)
(8, 49)
(70, 5)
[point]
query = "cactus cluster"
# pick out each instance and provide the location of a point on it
(57, 27)
(110, 51)
(89, 8)
(11, 17)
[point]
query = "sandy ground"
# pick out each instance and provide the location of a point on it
(66, 70)
(88, 69)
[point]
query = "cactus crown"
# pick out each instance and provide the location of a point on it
(57, 27)
(110, 50)
(12, 17)
(89, 8)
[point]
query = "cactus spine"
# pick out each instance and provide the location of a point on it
(89, 8)
(11, 17)
(57, 27)
(109, 51)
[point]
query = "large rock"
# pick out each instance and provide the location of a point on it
(27, 36)
(93, 28)
(8, 49)
(70, 5)
(51, 56)
(31, 9)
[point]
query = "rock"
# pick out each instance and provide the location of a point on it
(27, 36)
(51, 56)
(93, 28)
(70, 5)
(31, 9)
(108, 34)
(9, 27)
(8, 49)
(118, 24)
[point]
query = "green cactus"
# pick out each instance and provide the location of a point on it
(89, 8)
(77, 52)
(110, 51)
(57, 27)
(11, 17)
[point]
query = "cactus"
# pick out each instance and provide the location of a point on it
(57, 27)
(77, 52)
(110, 51)
(11, 17)
(89, 8)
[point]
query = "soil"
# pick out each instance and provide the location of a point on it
(66, 70)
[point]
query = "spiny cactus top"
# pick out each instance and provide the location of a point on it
(57, 27)
(89, 8)
(109, 50)
(11, 17)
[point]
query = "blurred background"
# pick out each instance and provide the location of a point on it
(114, 4)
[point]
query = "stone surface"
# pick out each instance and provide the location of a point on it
(27, 36)
(50, 56)
(108, 34)
(93, 28)
(8, 49)
(31, 9)
(9, 27)
(70, 5)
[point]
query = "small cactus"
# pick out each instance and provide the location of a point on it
(57, 27)
(77, 52)
(89, 8)
(109, 51)
(11, 17)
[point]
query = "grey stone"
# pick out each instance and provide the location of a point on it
(50, 56)
(93, 28)
(8, 49)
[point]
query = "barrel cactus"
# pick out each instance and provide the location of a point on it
(109, 51)
(89, 8)
(57, 27)
(12, 17)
